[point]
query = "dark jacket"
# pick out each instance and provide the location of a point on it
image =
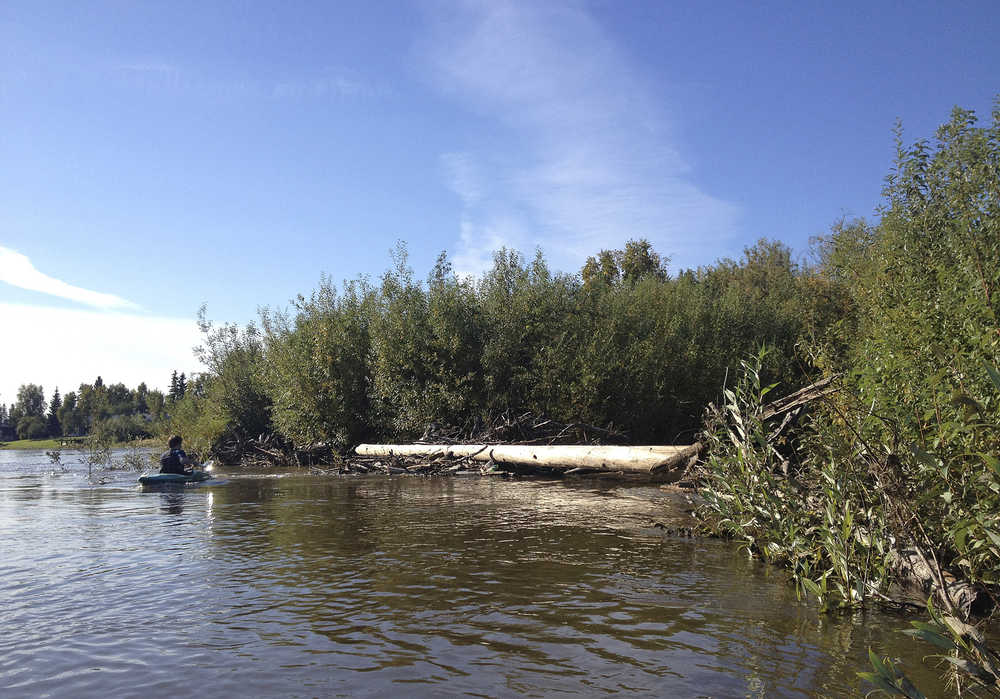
(172, 461)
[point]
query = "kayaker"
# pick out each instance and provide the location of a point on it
(174, 459)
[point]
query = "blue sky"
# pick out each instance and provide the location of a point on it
(157, 156)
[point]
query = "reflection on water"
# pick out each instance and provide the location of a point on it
(294, 585)
(172, 502)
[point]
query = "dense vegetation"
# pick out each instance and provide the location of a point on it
(907, 453)
(623, 343)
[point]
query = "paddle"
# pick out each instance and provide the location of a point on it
(206, 467)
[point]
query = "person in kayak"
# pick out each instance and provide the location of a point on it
(174, 459)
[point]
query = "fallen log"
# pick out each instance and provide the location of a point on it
(651, 460)
(812, 392)
(916, 580)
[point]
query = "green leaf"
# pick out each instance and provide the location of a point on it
(924, 458)
(933, 627)
(932, 637)
(878, 664)
(992, 461)
(880, 683)
(960, 538)
(812, 587)
(994, 375)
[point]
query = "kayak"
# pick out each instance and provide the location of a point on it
(174, 478)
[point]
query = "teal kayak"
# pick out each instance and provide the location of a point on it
(174, 478)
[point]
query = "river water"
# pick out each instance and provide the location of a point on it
(292, 584)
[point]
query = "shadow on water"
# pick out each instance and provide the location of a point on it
(289, 584)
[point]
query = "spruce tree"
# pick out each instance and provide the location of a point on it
(54, 427)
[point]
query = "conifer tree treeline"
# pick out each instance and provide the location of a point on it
(114, 411)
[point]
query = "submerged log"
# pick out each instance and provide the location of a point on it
(652, 460)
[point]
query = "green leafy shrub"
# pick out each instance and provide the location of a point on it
(629, 346)
(317, 369)
(234, 358)
(920, 345)
(818, 516)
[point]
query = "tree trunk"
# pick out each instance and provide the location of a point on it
(658, 460)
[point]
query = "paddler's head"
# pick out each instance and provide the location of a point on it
(175, 442)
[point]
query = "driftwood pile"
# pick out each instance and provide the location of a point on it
(919, 577)
(523, 428)
(516, 444)
(507, 428)
(271, 449)
(442, 465)
(491, 448)
(525, 444)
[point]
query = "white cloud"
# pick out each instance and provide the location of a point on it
(16, 269)
(595, 163)
(463, 176)
(478, 242)
(66, 347)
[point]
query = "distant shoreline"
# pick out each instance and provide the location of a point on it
(79, 443)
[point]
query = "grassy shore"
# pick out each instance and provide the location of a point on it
(73, 443)
(61, 443)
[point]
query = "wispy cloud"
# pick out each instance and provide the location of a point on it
(328, 83)
(150, 67)
(463, 177)
(16, 269)
(597, 162)
(320, 83)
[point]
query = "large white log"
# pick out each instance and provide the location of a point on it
(643, 459)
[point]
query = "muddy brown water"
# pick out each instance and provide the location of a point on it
(291, 584)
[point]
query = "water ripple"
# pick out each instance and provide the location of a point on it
(306, 586)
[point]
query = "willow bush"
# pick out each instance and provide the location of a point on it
(529, 340)
(824, 519)
(629, 346)
(317, 368)
(921, 352)
(907, 452)
(234, 384)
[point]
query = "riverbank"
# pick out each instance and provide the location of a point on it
(74, 443)
(61, 443)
